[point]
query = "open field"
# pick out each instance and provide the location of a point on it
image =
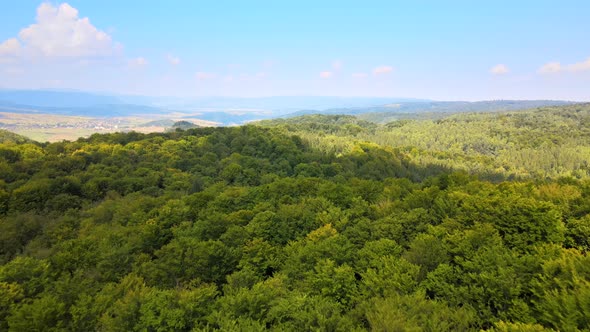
(52, 128)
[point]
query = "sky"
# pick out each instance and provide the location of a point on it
(443, 50)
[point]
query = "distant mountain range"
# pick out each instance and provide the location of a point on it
(389, 112)
(231, 111)
(77, 99)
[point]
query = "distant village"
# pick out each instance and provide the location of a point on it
(94, 124)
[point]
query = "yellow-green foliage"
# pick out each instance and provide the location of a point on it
(549, 142)
(251, 229)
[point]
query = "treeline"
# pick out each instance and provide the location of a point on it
(250, 228)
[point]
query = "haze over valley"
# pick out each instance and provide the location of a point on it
(51, 115)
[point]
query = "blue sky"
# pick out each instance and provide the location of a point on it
(445, 50)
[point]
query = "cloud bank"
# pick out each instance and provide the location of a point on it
(557, 67)
(59, 32)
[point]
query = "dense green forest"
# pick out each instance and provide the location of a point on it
(543, 143)
(468, 223)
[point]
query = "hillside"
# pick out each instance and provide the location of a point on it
(10, 137)
(547, 142)
(324, 223)
(183, 125)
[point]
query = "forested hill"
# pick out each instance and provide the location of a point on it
(322, 223)
(396, 109)
(547, 142)
(10, 137)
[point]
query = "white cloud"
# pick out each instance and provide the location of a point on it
(10, 47)
(359, 75)
(499, 69)
(204, 76)
(556, 67)
(326, 74)
(580, 66)
(59, 32)
(337, 64)
(550, 67)
(173, 60)
(382, 70)
(138, 62)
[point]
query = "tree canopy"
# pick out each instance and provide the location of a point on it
(309, 224)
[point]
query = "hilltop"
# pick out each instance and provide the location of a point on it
(10, 137)
(537, 143)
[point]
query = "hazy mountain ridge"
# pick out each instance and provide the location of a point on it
(56, 115)
(56, 98)
(71, 99)
(390, 112)
(237, 110)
